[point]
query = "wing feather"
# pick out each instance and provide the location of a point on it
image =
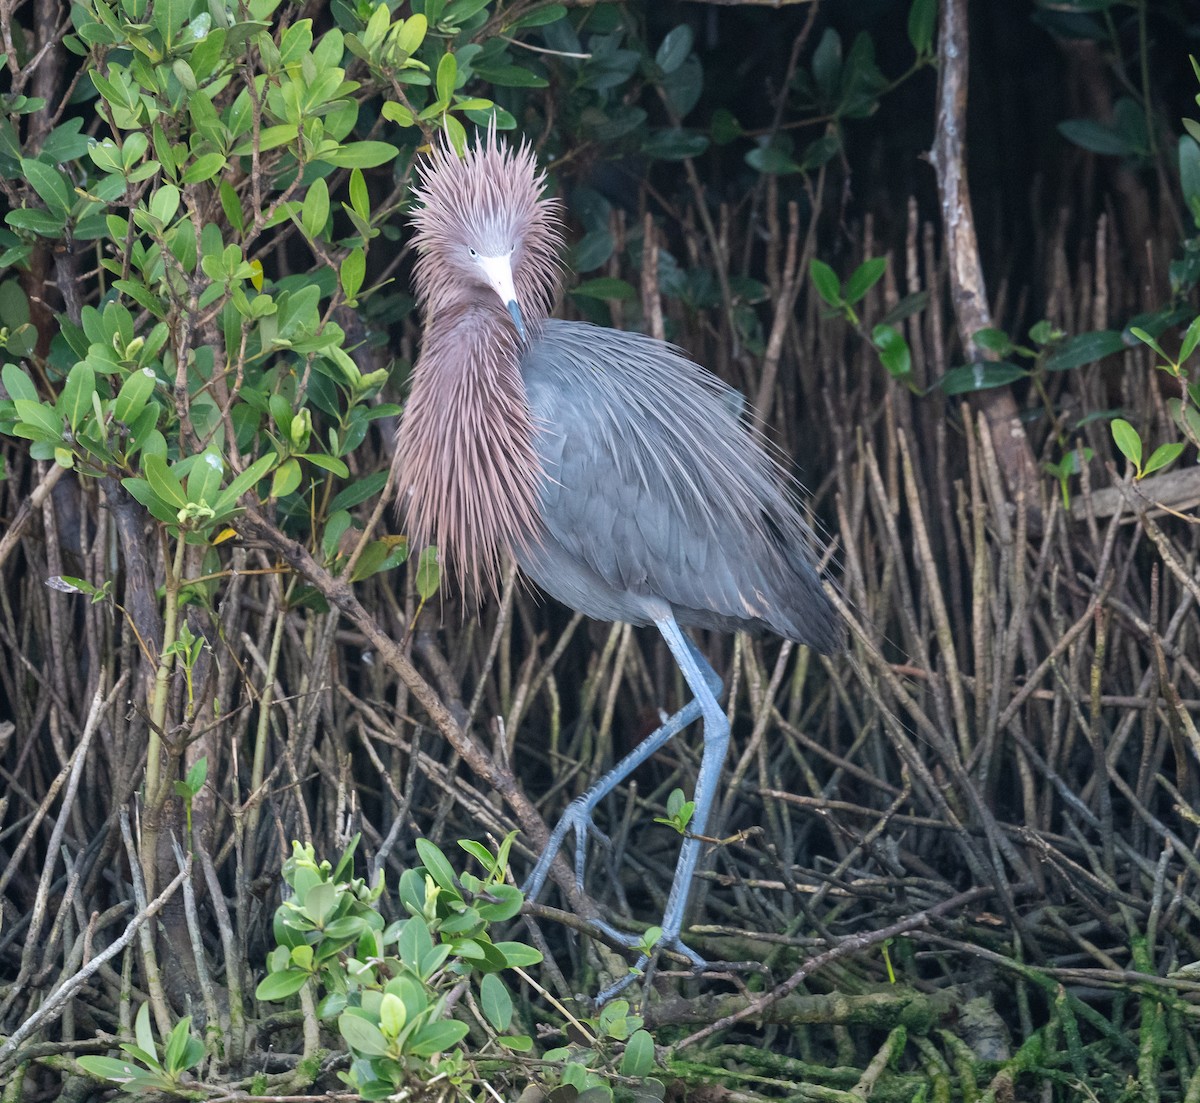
(655, 488)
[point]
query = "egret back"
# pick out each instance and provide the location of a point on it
(654, 490)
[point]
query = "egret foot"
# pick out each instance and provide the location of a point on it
(577, 818)
(638, 969)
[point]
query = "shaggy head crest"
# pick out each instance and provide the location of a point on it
(467, 470)
(489, 202)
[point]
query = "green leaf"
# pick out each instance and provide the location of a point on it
(42, 223)
(135, 392)
(980, 377)
(362, 1036)
(429, 573)
(43, 418)
(436, 865)
(164, 203)
(518, 955)
(893, 351)
(1148, 339)
(204, 479)
(359, 491)
(674, 48)
(510, 76)
(863, 278)
(495, 1002)
(993, 340)
(1191, 339)
(1163, 456)
(437, 1037)
(1096, 137)
(320, 902)
(50, 185)
(111, 1068)
(169, 17)
(142, 1031)
(177, 1046)
(826, 282)
(204, 167)
(921, 19)
(1128, 441)
(361, 155)
(1189, 169)
(244, 482)
(75, 402)
(638, 1059)
(539, 17)
(163, 481)
(278, 986)
(326, 463)
(17, 383)
(360, 197)
(353, 270)
(447, 74)
(315, 212)
(1084, 348)
(606, 287)
(674, 144)
(287, 478)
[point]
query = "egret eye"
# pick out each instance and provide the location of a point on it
(472, 252)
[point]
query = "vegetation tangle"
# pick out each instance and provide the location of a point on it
(269, 781)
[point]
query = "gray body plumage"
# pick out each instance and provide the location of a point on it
(657, 497)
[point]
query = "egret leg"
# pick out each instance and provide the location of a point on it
(705, 686)
(578, 816)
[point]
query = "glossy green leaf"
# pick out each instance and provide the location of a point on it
(51, 186)
(75, 402)
(495, 1002)
(135, 392)
(863, 278)
(893, 351)
(278, 986)
(518, 955)
(922, 17)
(362, 1036)
(436, 864)
(638, 1058)
(674, 48)
(315, 211)
(437, 1037)
(447, 74)
(981, 376)
(163, 481)
(429, 573)
(1163, 456)
(1084, 348)
(361, 155)
(825, 281)
(44, 419)
(17, 383)
(1126, 438)
(606, 287)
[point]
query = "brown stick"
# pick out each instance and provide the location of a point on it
(967, 286)
(340, 595)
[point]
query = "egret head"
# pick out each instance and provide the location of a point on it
(486, 233)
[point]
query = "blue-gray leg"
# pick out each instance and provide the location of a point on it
(705, 687)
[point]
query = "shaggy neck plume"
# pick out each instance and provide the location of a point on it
(468, 471)
(468, 475)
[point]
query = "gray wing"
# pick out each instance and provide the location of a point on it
(655, 490)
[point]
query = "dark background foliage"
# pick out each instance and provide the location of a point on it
(961, 858)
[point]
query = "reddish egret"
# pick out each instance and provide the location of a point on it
(619, 474)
